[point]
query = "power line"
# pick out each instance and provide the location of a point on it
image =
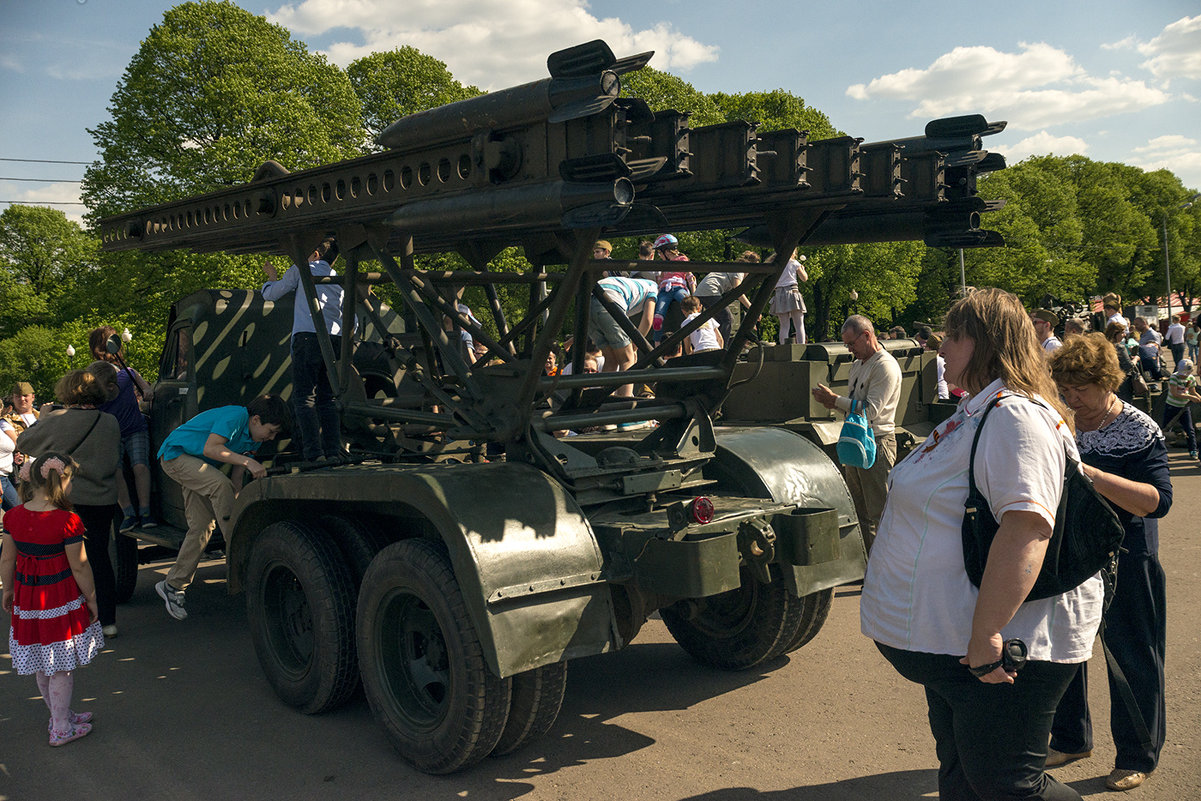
(47, 180)
(43, 202)
(45, 161)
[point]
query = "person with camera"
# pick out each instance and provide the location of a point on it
(990, 724)
(1123, 453)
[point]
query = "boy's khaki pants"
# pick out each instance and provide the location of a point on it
(208, 497)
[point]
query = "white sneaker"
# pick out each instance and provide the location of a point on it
(110, 630)
(174, 599)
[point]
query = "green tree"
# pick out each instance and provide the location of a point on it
(883, 275)
(663, 91)
(43, 250)
(775, 111)
(38, 354)
(212, 93)
(400, 82)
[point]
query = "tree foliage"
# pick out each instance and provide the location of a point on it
(400, 82)
(212, 93)
(43, 250)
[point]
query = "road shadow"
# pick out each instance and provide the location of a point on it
(904, 785)
(602, 688)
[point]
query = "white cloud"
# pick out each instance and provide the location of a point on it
(1176, 52)
(488, 43)
(1180, 154)
(1041, 144)
(1036, 87)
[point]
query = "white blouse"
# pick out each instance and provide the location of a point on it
(917, 596)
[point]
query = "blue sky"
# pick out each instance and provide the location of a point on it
(1113, 80)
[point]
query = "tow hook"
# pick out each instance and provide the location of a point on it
(757, 544)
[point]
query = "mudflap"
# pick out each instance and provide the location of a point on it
(524, 555)
(821, 545)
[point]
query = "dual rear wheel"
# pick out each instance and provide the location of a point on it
(418, 653)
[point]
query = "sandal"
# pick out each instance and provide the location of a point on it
(65, 736)
(74, 718)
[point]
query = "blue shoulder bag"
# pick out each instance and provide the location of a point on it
(856, 443)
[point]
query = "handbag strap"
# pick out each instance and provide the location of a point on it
(971, 465)
(86, 434)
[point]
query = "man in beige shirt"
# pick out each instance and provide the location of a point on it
(875, 381)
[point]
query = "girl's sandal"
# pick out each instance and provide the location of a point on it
(65, 736)
(74, 718)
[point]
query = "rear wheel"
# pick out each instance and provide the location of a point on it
(422, 663)
(537, 699)
(814, 608)
(738, 629)
(123, 555)
(300, 604)
(359, 543)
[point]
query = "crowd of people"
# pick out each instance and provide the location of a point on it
(1055, 401)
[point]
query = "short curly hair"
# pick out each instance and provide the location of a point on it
(1087, 359)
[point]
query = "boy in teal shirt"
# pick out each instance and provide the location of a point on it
(191, 456)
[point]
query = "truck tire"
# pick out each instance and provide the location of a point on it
(537, 699)
(123, 555)
(815, 607)
(736, 630)
(422, 663)
(300, 604)
(359, 543)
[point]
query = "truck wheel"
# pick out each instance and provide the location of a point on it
(422, 663)
(358, 543)
(738, 629)
(300, 604)
(123, 554)
(537, 698)
(815, 607)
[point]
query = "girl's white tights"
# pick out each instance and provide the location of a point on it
(797, 318)
(57, 689)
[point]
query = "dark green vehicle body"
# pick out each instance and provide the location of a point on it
(491, 523)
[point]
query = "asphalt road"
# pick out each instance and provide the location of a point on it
(183, 712)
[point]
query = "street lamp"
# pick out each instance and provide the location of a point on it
(1167, 266)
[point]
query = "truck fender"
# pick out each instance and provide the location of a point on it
(523, 552)
(788, 468)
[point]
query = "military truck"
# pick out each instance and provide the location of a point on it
(473, 546)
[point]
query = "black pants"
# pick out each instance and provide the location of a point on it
(991, 739)
(1185, 415)
(313, 408)
(98, 527)
(1136, 633)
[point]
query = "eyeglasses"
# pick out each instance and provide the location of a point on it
(854, 339)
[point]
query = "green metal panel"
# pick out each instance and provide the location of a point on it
(790, 469)
(523, 552)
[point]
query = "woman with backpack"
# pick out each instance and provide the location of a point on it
(990, 722)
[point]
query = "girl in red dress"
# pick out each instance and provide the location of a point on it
(49, 591)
